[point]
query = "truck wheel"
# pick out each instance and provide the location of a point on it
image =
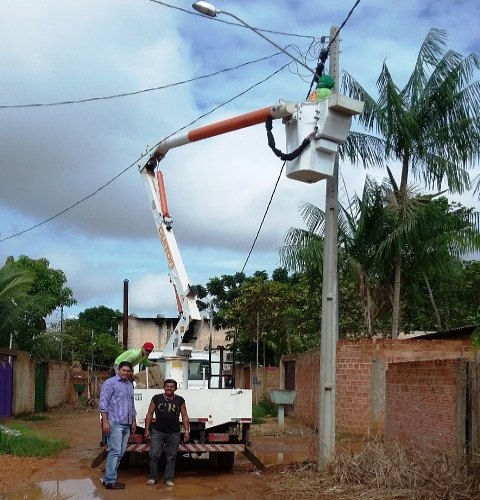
(225, 460)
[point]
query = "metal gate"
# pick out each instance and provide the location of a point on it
(6, 385)
(40, 384)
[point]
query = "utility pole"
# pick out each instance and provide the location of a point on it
(256, 369)
(326, 410)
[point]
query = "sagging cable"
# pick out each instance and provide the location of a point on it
(284, 156)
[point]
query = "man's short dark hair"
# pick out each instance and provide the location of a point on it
(126, 363)
(170, 381)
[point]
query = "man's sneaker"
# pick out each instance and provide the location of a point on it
(114, 486)
(169, 483)
(151, 482)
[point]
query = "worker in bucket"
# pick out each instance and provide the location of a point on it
(118, 420)
(136, 356)
(167, 408)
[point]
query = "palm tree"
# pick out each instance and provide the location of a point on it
(431, 126)
(453, 233)
(361, 229)
(14, 285)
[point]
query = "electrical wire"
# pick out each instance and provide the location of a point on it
(192, 13)
(136, 92)
(264, 216)
(317, 72)
(322, 57)
(140, 158)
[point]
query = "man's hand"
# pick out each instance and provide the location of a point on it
(147, 436)
(133, 428)
(105, 426)
(186, 437)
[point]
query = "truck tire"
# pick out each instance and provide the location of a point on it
(225, 460)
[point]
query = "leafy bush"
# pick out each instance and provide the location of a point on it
(33, 417)
(264, 408)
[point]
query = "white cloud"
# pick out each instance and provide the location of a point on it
(218, 189)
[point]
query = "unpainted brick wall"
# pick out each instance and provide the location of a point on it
(424, 404)
(360, 380)
(307, 376)
(58, 384)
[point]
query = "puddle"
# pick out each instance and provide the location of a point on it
(281, 458)
(71, 489)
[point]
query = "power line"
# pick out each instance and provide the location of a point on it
(136, 92)
(264, 215)
(319, 71)
(103, 186)
(322, 57)
(193, 13)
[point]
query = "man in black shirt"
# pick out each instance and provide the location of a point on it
(165, 430)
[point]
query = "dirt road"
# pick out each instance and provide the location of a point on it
(70, 476)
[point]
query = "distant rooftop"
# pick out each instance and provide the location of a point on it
(460, 333)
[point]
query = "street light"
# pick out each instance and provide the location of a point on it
(329, 329)
(209, 9)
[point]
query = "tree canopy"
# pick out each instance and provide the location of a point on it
(31, 291)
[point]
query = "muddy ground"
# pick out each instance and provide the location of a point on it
(70, 476)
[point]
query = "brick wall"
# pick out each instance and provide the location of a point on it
(425, 405)
(360, 381)
(58, 384)
(268, 376)
(307, 374)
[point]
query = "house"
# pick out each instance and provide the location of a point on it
(157, 330)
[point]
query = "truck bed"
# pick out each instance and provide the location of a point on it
(211, 406)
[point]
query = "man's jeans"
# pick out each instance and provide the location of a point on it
(171, 442)
(117, 444)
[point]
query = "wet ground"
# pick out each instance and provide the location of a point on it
(69, 476)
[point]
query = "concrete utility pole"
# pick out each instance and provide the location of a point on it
(326, 409)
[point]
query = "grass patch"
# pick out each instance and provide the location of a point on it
(262, 409)
(29, 444)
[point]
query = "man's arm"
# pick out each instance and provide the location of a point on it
(123, 357)
(148, 419)
(185, 422)
(105, 395)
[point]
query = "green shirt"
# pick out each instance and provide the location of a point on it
(134, 356)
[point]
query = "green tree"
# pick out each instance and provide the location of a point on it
(84, 344)
(27, 313)
(430, 126)
(362, 227)
(101, 319)
(273, 311)
(14, 286)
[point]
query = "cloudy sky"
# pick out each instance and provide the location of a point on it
(52, 157)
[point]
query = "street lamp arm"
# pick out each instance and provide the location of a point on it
(298, 61)
(210, 10)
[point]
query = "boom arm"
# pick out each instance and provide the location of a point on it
(183, 337)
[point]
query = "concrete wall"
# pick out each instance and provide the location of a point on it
(58, 390)
(23, 382)
(425, 404)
